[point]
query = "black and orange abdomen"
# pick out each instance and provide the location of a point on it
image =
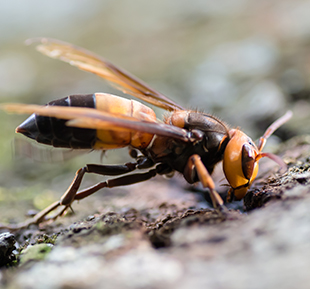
(55, 132)
(111, 139)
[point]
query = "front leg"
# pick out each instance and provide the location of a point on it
(195, 166)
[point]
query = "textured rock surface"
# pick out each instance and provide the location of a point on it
(166, 246)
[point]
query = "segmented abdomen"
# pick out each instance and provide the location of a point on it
(55, 132)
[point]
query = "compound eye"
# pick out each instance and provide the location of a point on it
(248, 161)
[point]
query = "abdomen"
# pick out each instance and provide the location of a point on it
(53, 131)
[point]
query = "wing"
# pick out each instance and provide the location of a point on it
(88, 61)
(95, 119)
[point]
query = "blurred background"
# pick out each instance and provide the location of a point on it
(245, 61)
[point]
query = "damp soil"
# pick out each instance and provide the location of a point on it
(263, 242)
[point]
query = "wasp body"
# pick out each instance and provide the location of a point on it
(189, 142)
(158, 149)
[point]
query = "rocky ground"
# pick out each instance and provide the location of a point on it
(176, 244)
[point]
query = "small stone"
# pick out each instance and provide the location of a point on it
(7, 242)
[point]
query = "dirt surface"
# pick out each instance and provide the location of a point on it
(169, 245)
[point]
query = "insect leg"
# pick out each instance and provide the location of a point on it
(123, 181)
(37, 219)
(70, 195)
(108, 170)
(195, 164)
